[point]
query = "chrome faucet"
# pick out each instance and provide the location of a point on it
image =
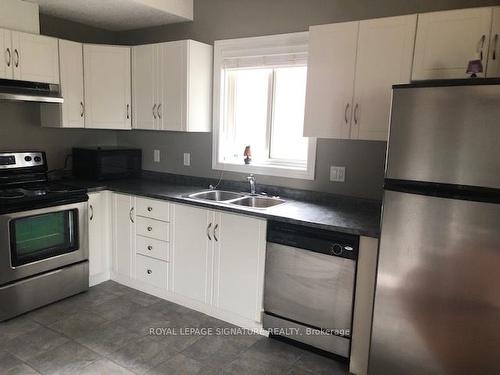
(251, 180)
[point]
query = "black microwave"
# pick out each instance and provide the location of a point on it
(100, 163)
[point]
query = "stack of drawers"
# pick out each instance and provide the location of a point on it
(152, 241)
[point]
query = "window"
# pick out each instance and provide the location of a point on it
(259, 102)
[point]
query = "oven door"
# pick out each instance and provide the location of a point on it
(37, 241)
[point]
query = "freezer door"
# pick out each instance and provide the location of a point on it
(437, 302)
(446, 135)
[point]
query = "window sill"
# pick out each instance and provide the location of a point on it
(267, 170)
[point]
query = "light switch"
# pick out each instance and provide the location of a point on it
(337, 174)
(187, 159)
(156, 156)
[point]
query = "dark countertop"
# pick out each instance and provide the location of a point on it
(348, 215)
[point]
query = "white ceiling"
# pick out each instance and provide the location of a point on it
(119, 15)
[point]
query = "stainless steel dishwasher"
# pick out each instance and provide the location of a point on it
(309, 286)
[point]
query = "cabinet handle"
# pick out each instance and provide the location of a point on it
(345, 112)
(158, 111)
(208, 231)
(9, 59)
(356, 114)
(495, 41)
(91, 212)
(154, 113)
(150, 247)
(149, 272)
(131, 212)
(128, 111)
(150, 209)
(215, 232)
(82, 112)
(16, 52)
(150, 229)
(481, 43)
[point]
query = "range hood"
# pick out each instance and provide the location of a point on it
(29, 91)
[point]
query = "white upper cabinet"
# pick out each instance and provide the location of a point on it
(145, 82)
(35, 58)
(494, 51)
(385, 53)
(71, 113)
(351, 69)
(172, 86)
(447, 41)
(6, 53)
(330, 80)
(107, 87)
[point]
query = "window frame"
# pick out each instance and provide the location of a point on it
(279, 45)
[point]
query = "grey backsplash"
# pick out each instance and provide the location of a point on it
(20, 129)
(364, 162)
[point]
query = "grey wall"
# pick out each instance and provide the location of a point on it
(223, 19)
(20, 122)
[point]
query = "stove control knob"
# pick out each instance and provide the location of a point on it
(27, 158)
(336, 249)
(38, 159)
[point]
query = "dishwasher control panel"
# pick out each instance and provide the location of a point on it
(314, 239)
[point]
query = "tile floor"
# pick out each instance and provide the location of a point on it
(106, 331)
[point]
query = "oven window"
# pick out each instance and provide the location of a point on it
(43, 236)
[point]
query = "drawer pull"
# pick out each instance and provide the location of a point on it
(150, 209)
(150, 247)
(150, 229)
(149, 272)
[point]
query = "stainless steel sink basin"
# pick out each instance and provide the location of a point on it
(258, 202)
(216, 195)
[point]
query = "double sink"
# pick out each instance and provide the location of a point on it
(238, 199)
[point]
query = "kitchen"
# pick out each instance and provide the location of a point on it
(198, 105)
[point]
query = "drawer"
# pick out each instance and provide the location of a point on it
(153, 208)
(151, 271)
(152, 228)
(152, 248)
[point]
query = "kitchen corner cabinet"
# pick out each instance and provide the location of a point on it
(218, 259)
(446, 41)
(172, 86)
(107, 85)
(99, 241)
(29, 57)
(69, 114)
(123, 234)
(351, 69)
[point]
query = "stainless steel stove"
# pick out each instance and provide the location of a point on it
(43, 235)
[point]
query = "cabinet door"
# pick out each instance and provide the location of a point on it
(192, 244)
(239, 264)
(330, 80)
(107, 87)
(99, 250)
(35, 58)
(173, 80)
(123, 234)
(447, 41)
(6, 55)
(144, 86)
(494, 52)
(385, 53)
(71, 68)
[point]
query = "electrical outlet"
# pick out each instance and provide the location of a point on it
(156, 156)
(337, 174)
(187, 159)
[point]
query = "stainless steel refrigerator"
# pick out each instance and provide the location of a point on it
(437, 300)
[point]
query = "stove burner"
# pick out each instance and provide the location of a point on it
(11, 194)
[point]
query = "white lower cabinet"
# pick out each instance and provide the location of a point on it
(99, 239)
(123, 230)
(151, 271)
(218, 259)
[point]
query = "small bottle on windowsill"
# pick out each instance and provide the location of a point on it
(248, 155)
